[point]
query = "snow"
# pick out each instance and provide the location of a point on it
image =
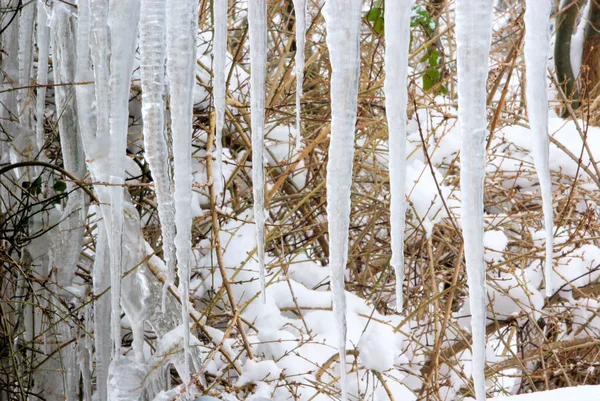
(374, 348)
(219, 71)
(300, 12)
(473, 35)
(182, 29)
(257, 26)
(397, 34)
(152, 65)
(342, 20)
(581, 393)
(537, 43)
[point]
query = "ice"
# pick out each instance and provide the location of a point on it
(126, 380)
(43, 43)
(537, 43)
(300, 11)
(182, 29)
(342, 20)
(219, 71)
(25, 55)
(101, 275)
(257, 26)
(66, 246)
(122, 18)
(153, 51)
(473, 35)
(397, 34)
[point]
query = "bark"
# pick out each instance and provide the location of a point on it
(565, 22)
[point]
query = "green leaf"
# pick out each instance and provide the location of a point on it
(60, 186)
(434, 74)
(373, 14)
(378, 26)
(427, 83)
(434, 57)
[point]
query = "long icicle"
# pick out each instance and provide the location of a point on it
(300, 11)
(537, 43)
(123, 19)
(182, 27)
(153, 52)
(100, 53)
(342, 19)
(219, 54)
(257, 21)
(397, 41)
(43, 42)
(473, 36)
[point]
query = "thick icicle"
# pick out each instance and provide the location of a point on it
(182, 26)
(397, 34)
(43, 42)
(300, 11)
(123, 19)
(219, 54)
(473, 35)
(257, 21)
(537, 43)
(153, 52)
(342, 19)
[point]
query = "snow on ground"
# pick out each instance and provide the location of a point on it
(582, 393)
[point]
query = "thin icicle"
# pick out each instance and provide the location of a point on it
(26, 29)
(219, 53)
(43, 42)
(342, 19)
(397, 34)
(123, 18)
(257, 21)
(153, 52)
(300, 11)
(537, 43)
(182, 27)
(473, 35)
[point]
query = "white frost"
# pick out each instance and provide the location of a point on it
(257, 22)
(537, 42)
(397, 34)
(342, 19)
(473, 36)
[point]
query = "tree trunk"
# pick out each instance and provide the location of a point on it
(565, 22)
(591, 58)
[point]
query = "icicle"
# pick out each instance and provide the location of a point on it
(43, 42)
(102, 312)
(257, 21)
(123, 18)
(537, 43)
(219, 53)
(473, 35)
(182, 29)
(26, 25)
(342, 19)
(300, 11)
(153, 51)
(397, 34)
